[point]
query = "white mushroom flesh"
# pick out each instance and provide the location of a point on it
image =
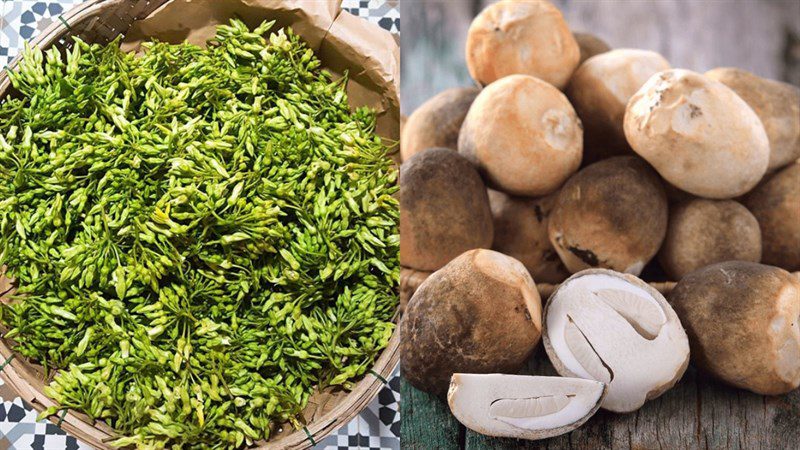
(519, 406)
(603, 327)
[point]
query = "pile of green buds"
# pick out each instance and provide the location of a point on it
(200, 237)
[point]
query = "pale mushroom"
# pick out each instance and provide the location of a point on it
(513, 37)
(524, 407)
(698, 134)
(523, 136)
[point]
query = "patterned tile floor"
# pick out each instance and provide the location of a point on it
(378, 427)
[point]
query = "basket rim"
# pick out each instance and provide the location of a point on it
(18, 373)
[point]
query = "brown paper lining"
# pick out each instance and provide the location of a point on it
(342, 41)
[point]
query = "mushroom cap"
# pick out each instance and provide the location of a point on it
(444, 209)
(703, 232)
(523, 407)
(589, 45)
(520, 231)
(513, 37)
(698, 134)
(776, 205)
(777, 104)
(480, 313)
(611, 214)
(523, 136)
(743, 321)
(600, 90)
(436, 122)
(612, 327)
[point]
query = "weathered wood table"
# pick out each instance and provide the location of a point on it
(698, 413)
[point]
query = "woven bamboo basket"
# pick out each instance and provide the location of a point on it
(101, 21)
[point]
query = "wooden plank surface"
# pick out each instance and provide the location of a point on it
(698, 413)
(426, 422)
(762, 36)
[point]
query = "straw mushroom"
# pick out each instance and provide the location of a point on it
(520, 231)
(703, 232)
(698, 134)
(480, 313)
(743, 321)
(523, 135)
(436, 122)
(614, 328)
(611, 214)
(513, 37)
(444, 209)
(600, 89)
(589, 45)
(776, 205)
(777, 104)
(523, 407)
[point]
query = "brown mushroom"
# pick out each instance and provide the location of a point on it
(776, 205)
(520, 231)
(776, 104)
(743, 322)
(589, 45)
(612, 214)
(444, 209)
(703, 232)
(480, 313)
(436, 122)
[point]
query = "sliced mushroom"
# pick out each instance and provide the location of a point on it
(615, 328)
(524, 407)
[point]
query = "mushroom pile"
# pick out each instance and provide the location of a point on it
(625, 213)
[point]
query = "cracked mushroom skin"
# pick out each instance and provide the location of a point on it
(614, 328)
(612, 214)
(513, 37)
(436, 122)
(600, 90)
(444, 209)
(523, 136)
(743, 324)
(520, 231)
(698, 134)
(703, 232)
(480, 313)
(777, 104)
(776, 205)
(590, 45)
(523, 407)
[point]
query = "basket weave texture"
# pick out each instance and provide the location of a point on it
(102, 21)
